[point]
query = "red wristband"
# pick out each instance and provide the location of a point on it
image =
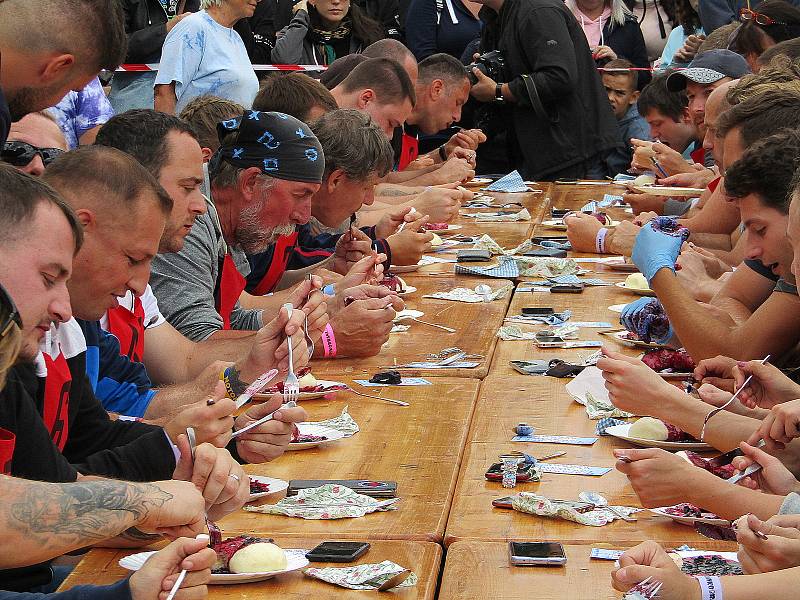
(329, 341)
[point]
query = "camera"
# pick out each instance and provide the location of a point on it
(491, 64)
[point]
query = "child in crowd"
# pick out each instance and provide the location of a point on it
(621, 84)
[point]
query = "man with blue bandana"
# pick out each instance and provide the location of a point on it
(262, 179)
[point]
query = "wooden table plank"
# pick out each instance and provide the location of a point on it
(419, 446)
(478, 570)
(543, 403)
(100, 567)
(413, 345)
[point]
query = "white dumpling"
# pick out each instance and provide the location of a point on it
(648, 428)
(637, 281)
(308, 380)
(258, 558)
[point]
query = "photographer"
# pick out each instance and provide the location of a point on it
(550, 96)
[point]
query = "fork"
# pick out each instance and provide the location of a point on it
(309, 341)
(214, 532)
(734, 397)
(291, 387)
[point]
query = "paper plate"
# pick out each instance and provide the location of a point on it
(329, 387)
(275, 486)
(404, 268)
(314, 429)
(664, 190)
(476, 181)
(409, 289)
(617, 308)
(621, 432)
(620, 337)
(296, 559)
(684, 520)
(640, 291)
(556, 224)
(622, 266)
(408, 313)
(450, 227)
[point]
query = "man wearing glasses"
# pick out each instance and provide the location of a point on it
(33, 142)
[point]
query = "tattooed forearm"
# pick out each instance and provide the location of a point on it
(56, 518)
(234, 379)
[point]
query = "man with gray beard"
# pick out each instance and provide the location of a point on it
(262, 178)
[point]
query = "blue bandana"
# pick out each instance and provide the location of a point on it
(278, 144)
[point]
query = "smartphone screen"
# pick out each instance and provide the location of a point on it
(537, 553)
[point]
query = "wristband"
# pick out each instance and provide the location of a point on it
(329, 341)
(600, 241)
(225, 377)
(329, 290)
(710, 587)
(442, 153)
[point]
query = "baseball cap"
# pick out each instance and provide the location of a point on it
(279, 144)
(709, 67)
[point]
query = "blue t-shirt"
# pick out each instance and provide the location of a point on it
(78, 112)
(203, 57)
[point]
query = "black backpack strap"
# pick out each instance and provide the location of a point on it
(536, 102)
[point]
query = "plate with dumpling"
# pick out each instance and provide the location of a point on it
(261, 486)
(240, 559)
(636, 283)
(655, 433)
(311, 435)
(310, 387)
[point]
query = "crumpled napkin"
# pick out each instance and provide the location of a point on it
(325, 502)
(486, 242)
(344, 423)
(589, 389)
(369, 576)
(532, 266)
(512, 182)
(522, 215)
(543, 506)
(512, 332)
(471, 296)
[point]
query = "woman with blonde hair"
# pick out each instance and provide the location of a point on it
(10, 336)
(612, 32)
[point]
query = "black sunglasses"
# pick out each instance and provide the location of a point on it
(10, 312)
(20, 154)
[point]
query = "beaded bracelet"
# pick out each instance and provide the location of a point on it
(600, 241)
(710, 587)
(329, 341)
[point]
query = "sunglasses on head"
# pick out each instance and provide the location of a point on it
(20, 154)
(745, 14)
(9, 312)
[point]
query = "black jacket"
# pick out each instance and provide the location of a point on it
(542, 38)
(628, 42)
(385, 12)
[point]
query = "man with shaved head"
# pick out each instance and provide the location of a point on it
(41, 64)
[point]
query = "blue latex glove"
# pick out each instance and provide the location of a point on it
(647, 319)
(655, 249)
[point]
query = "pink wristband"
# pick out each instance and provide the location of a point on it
(329, 341)
(600, 241)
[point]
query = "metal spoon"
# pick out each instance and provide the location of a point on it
(394, 580)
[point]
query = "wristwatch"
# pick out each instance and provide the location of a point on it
(498, 93)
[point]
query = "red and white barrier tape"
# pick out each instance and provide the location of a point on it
(142, 68)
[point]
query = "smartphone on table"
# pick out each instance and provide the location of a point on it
(532, 554)
(339, 552)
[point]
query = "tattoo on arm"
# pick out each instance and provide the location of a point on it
(237, 385)
(78, 514)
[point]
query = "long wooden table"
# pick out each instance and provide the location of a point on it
(100, 567)
(419, 446)
(481, 570)
(421, 339)
(543, 403)
(439, 448)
